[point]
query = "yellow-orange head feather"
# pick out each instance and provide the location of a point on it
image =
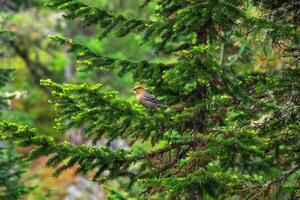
(139, 89)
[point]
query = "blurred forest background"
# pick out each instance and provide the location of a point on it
(25, 46)
(25, 27)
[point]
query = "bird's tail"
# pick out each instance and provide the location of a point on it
(163, 105)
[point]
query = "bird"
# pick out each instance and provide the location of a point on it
(146, 99)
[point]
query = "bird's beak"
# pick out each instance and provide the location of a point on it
(134, 90)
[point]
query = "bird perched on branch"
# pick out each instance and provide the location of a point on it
(146, 99)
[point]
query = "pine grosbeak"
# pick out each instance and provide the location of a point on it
(146, 99)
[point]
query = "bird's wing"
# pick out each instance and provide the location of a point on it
(150, 97)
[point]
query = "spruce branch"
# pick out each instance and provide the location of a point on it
(108, 21)
(91, 59)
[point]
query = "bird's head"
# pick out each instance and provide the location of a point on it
(138, 89)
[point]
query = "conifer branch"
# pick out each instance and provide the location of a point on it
(108, 21)
(92, 59)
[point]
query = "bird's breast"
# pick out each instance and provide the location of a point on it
(139, 98)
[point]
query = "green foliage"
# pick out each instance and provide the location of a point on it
(12, 167)
(4, 78)
(25, 46)
(11, 164)
(230, 131)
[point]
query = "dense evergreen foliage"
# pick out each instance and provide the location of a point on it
(12, 167)
(229, 130)
(11, 164)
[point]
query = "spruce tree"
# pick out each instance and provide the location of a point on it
(229, 131)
